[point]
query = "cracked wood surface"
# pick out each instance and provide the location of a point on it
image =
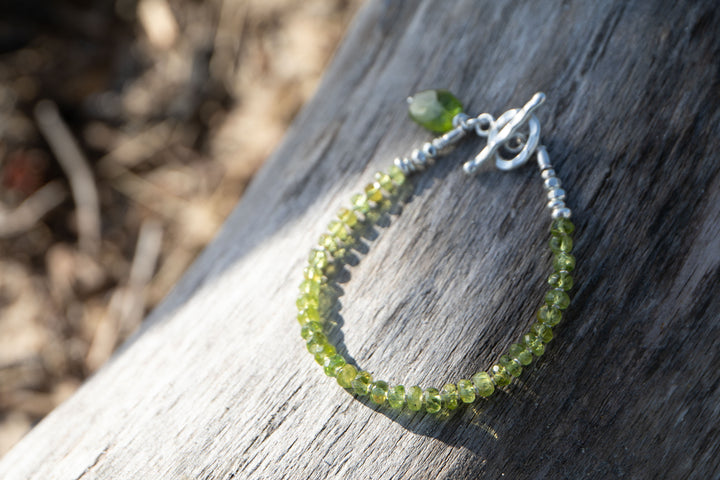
(218, 384)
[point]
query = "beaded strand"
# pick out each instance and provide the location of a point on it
(342, 233)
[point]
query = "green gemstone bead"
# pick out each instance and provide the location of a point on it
(309, 314)
(562, 225)
(561, 279)
(483, 384)
(433, 400)
(414, 398)
(347, 217)
(449, 395)
(379, 392)
(385, 181)
(396, 396)
(512, 367)
(549, 315)
(434, 109)
(561, 243)
(319, 258)
(306, 301)
(316, 343)
(466, 391)
(338, 230)
(332, 363)
(361, 383)
(313, 274)
(543, 332)
(558, 298)
(360, 203)
(373, 192)
(329, 243)
(397, 175)
(534, 344)
(564, 261)
(345, 375)
(310, 329)
(310, 288)
(317, 337)
(521, 354)
(328, 350)
(500, 375)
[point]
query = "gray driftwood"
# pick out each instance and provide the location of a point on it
(218, 384)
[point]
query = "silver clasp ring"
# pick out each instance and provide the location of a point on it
(503, 130)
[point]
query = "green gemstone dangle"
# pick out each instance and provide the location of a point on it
(434, 109)
(511, 140)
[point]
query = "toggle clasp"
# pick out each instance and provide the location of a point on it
(501, 132)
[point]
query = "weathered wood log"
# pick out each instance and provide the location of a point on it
(218, 384)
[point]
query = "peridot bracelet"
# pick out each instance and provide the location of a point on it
(507, 148)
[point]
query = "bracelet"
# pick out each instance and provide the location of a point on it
(508, 147)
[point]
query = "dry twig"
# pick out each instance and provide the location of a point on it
(76, 167)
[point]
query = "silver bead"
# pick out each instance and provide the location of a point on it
(402, 165)
(543, 159)
(561, 213)
(552, 183)
(556, 204)
(429, 150)
(557, 193)
(547, 173)
(419, 159)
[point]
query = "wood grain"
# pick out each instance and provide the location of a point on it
(218, 384)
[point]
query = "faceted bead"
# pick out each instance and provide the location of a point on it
(520, 353)
(305, 301)
(414, 398)
(500, 375)
(385, 182)
(396, 396)
(558, 298)
(449, 395)
(564, 261)
(312, 273)
(379, 392)
(319, 258)
(332, 363)
(347, 217)
(534, 344)
(397, 175)
(328, 350)
(434, 109)
(483, 384)
(512, 367)
(329, 243)
(466, 391)
(309, 314)
(361, 383)
(310, 288)
(549, 315)
(310, 329)
(562, 225)
(345, 375)
(561, 279)
(338, 230)
(360, 203)
(316, 343)
(543, 332)
(433, 400)
(561, 243)
(372, 190)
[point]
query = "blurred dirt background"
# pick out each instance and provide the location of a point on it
(128, 131)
